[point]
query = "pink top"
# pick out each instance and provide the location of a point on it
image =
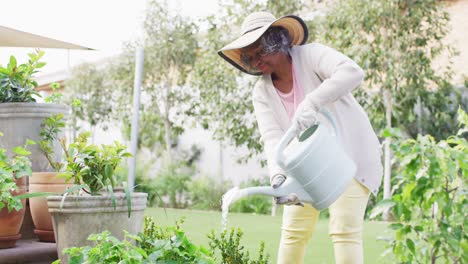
(293, 98)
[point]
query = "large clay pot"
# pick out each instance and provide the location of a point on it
(44, 182)
(81, 216)
(21, 121)
(11, 221)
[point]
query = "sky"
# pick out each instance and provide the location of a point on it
(103, 25)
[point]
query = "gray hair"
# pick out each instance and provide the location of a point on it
(275, 39)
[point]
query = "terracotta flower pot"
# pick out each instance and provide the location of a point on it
(11, 221)
(44, 182)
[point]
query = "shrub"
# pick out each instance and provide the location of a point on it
(106, 249)
(231, 251)
(205, 193)
(430, 207)
(143, 181)
(154, 245)
(17, 82)
(172, 182)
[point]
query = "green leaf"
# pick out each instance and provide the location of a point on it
(111, 192)
(12, 63)
(36, 194)
(411, 246)
(128, 197)
(30, 142)
(381, 207)
(21, 151)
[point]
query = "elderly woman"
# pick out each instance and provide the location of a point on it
(296, 82)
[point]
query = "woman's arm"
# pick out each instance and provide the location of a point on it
(339, 74)
(270, 131)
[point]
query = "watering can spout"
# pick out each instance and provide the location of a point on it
(288, 187)
(263, 190)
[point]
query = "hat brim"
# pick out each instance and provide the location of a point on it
(232, 52)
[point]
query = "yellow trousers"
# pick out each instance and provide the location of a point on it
(345, 228)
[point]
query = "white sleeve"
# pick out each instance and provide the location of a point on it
(270, 131)
(339, 74)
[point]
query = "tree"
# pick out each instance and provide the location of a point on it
(170, 43)
(91, 87)
(395, 42)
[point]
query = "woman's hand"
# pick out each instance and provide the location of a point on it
(305, 116)
(290, 199)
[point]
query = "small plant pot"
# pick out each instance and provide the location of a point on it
(44, 182)
(10, 222)
(81, 216)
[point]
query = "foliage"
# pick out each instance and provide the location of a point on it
(258, 204)
(55, 96)
(171, 245)
(396, 45)
(205, 193)
(170, 44)
(51, 128)
(106, 249)
(144, 181)
(173, 180)
(12, 168)
(16, 81)
(430, 207)
(154, 245)
(92, 165)
(92, 87)
(231, 250)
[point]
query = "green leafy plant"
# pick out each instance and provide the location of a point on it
(13, 168)
(231, 251)
(107, 249)
(16, 81)
(56, 96)
(205, 192)
(171, 245)
(154, 245)
(51, 128)
(173, 182)
(92, 165)
(430, 205)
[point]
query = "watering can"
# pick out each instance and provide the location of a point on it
(318, 168)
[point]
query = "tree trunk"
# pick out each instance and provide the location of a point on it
(172, 82)
(387, 153)
(167, 137)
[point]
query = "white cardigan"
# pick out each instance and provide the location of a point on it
(312, 64)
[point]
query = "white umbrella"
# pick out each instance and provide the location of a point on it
(10, 37)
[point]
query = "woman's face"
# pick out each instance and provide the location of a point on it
(255, 57)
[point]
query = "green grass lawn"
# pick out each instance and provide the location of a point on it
(266, 228)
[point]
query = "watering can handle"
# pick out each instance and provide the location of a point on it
(292, 132)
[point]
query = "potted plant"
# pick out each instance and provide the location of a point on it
(13, 172)
(47, 181)
(20, 115)
(94, 207)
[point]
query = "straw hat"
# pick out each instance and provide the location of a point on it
(253, 28)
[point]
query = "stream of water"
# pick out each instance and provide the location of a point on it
(229, 197)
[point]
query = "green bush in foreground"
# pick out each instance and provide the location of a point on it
(430, 206)
(230, 249)
(158, 244)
